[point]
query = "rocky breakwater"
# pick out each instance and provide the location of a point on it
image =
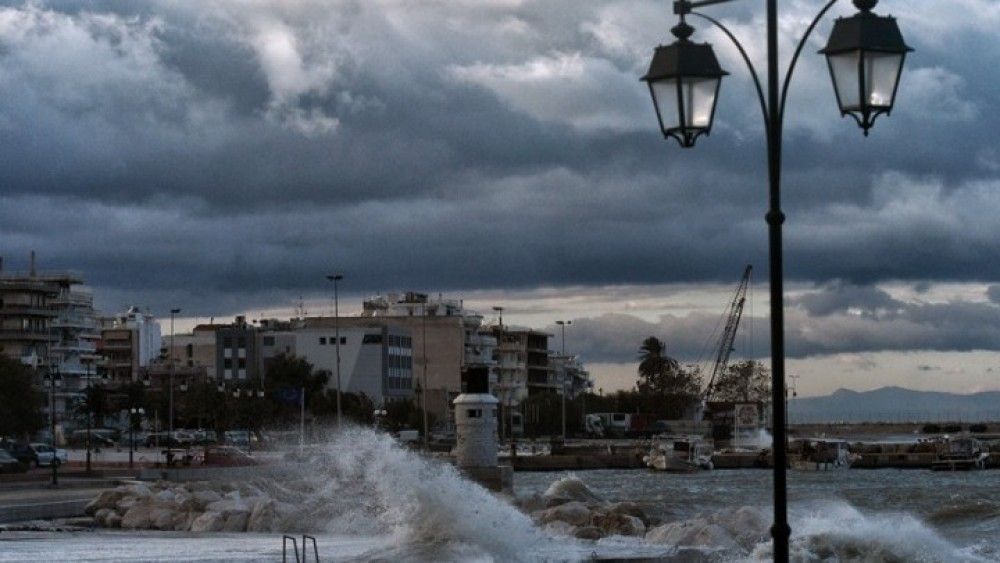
(570, 508)
(194, 507)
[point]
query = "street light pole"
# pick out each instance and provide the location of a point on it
(90, 406)
(423, 396)
(53, 383)
(170, 438)
(865, 54)
(335, 278)
(562, 325)
(506, 432)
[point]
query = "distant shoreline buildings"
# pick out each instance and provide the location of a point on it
(402, 346)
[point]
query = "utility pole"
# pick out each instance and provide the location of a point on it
(335, 278)
(565, 364)
(423, 396)
(170, 436)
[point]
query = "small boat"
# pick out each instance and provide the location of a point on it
(960, 454)
(682, 454)
(821, 455)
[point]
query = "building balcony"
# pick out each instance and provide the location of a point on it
(27, 334)
(14, 310)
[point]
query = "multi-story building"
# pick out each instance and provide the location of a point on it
(569, 374)
(194, 350)
(523, 364)
(447, 339)
(130, 343)
(375, 359)
(236, 353)
(26, 318)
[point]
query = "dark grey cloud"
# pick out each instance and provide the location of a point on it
(227, 153)
(831, 319)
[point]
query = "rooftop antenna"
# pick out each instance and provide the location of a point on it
(32, 269)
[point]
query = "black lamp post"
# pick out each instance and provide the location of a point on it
(335, 278)
(865, 55)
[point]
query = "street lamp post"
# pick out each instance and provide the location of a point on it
(90, 406)
(335, 278)
(423, 396)
(562, 325)
(170, 438)
(131, 431)
(509, 387)
(55, 380)
(865, 54)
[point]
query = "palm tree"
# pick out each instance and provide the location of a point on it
(656, 370)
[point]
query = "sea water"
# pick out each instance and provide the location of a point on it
(366, 498)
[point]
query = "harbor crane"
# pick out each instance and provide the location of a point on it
(733, 315)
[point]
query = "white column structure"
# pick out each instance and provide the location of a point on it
(476, 430)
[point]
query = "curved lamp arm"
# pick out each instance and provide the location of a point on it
(795, 57)
(746, 59)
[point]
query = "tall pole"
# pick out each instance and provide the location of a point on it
(565, 360)
(90, 406)
(780, 532)
(302, 419)
(423, 396)
(52, 412)
(335, 278)
(507, 431)
(170, 416)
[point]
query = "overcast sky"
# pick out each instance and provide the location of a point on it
(223, 156)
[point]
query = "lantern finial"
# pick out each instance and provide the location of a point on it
(865, 5)
(682, 30)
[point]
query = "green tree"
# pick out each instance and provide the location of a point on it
(97, 403)
(21, 403)
(743, 382)
(664, 387)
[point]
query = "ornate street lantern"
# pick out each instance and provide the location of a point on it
(865, 54)
(684, 79)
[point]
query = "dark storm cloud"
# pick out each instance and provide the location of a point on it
(225, 152)
(830, 319)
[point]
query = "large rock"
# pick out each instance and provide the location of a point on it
(589, 533)
(113, 520)
(629, 508)
(613, 523)
(183, 520)
(208, 522)
(162, 518)
(236, 521)
(697, 532)
(206, 496)
(138, 517)
(264, 517)
(106, 499)
(575, 513)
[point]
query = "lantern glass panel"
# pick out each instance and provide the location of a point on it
(844, 67)
(699, 100)
(881, 71)
(665, 93)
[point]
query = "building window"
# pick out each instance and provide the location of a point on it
(343, 340)
(227, 342)
(242, 342)
(242, 363)
(474, 413)
(268, 341)
(322, 341)
(227, 363)
(372, 339)
(190, 350)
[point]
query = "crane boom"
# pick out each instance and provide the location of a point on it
(735, 312)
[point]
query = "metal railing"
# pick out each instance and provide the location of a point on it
(295, 548)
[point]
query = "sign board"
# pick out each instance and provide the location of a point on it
(746, 421)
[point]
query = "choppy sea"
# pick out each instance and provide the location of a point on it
(377, 501)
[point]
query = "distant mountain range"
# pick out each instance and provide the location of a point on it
(895, 404)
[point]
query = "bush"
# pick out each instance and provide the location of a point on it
(931, 429)
(953, 428)
(978, 428)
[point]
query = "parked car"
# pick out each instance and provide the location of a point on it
(99, 438)
(47, 455)
(9, 464)
(22, 453)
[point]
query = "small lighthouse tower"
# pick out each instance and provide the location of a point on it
(476, 432)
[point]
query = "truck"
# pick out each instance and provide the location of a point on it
(620, 425)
